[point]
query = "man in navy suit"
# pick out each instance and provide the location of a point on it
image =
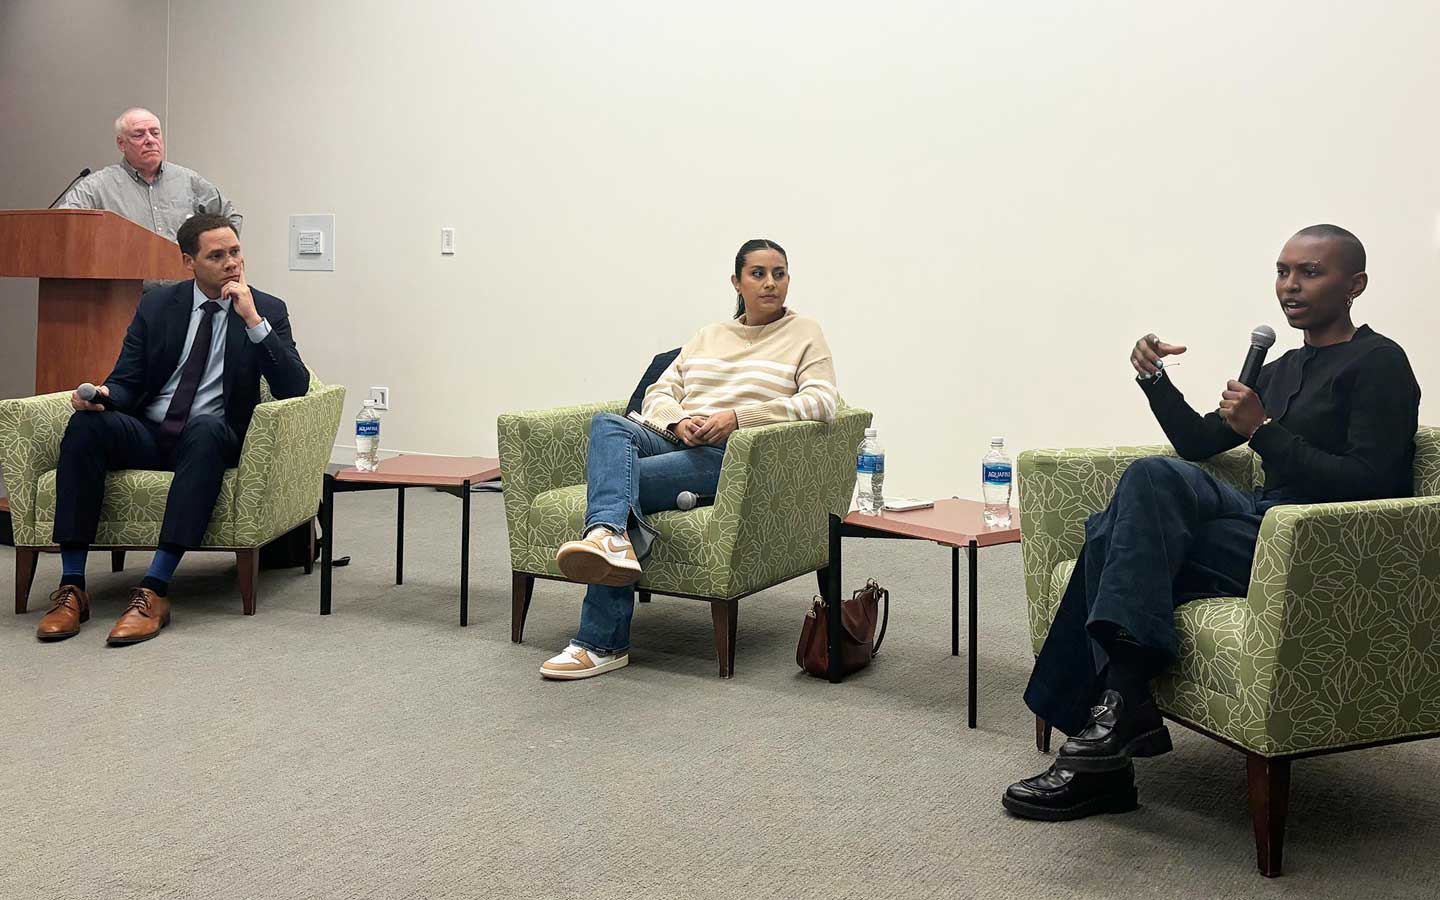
(180, 399)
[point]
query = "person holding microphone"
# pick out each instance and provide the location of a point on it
(180, 399)
(1333, 420)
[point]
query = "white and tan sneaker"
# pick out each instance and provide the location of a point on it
(601, 557)
(576, 662)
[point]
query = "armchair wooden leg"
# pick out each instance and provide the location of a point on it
(248, 562)
(723, 613)
(1269, 802)
(644, 596)
(310, 552)
(522, 586)
(25, 561)
(1042, 735)
(117, 560)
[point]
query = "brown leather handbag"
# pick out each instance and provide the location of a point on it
(858, 641)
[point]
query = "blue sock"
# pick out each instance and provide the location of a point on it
(72, 564)
(162, 569)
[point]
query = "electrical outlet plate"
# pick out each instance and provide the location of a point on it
(380, 397)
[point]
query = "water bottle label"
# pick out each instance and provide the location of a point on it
(870, 463)
(369, 429)
(996, 473)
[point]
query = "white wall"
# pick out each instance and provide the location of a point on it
(66, 70)
(985, 204)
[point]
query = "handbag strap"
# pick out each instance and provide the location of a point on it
(883, 622)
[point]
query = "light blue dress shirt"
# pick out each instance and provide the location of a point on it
(210, 396)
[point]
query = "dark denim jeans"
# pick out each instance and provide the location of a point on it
(1172, 533)
(631, 471)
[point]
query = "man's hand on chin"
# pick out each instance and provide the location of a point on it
(241, 300)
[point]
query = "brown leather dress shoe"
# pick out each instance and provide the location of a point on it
(70, 606)
(147, 613)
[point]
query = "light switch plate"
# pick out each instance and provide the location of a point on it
(447, 241)
(306, 259)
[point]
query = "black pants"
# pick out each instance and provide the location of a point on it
(100, 442)
(1172, 533)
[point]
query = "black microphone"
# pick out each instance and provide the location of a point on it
(686, 500)
(83, 173)
(90, 394)
(1261, 340)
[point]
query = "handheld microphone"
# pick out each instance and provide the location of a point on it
(1262, 338)
(83, 172)
(686, 500)
(90, 394)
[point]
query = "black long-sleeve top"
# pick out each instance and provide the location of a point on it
(1342, 422)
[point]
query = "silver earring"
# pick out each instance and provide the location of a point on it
(1349, 303)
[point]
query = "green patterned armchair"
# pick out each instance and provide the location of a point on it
(1336, 647)
(275, 487)
(778, 485)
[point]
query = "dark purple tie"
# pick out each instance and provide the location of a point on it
(190, 375)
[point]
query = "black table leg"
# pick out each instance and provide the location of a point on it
(974, 554)
(327, 547)
(954, 601)
(832, 606)
(400, 536)
(465, 554)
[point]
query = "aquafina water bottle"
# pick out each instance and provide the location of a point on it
(367, 438)
(870, 474)
(997, 479)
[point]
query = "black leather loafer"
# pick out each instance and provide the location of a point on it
(1114, 735)
(1057, 795)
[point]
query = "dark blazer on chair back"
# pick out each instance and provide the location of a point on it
(156, 337)
(658, 365)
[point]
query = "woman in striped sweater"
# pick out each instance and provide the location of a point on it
(765, 365)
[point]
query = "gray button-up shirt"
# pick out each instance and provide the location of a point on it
(177, 194)
(209, 396)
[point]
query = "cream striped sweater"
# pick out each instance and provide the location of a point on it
(779, 372)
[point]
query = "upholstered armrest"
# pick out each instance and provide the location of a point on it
(1344, 625)
(778, 484)
(280, 476)
(541, 450)
(30, 433)
(1060, 488)
(544, 449)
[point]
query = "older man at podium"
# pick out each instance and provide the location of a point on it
(146, 188)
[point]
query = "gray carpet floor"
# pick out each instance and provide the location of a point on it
(385, 752)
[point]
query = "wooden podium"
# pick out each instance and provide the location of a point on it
(90, 264)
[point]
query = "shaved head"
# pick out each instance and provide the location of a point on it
(1352, 252)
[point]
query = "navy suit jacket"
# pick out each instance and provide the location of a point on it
(156, 337)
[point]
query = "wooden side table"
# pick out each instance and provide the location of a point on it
(398, 473)
(949, 523)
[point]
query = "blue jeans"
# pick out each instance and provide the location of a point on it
(1171, 534)
(631, 471)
